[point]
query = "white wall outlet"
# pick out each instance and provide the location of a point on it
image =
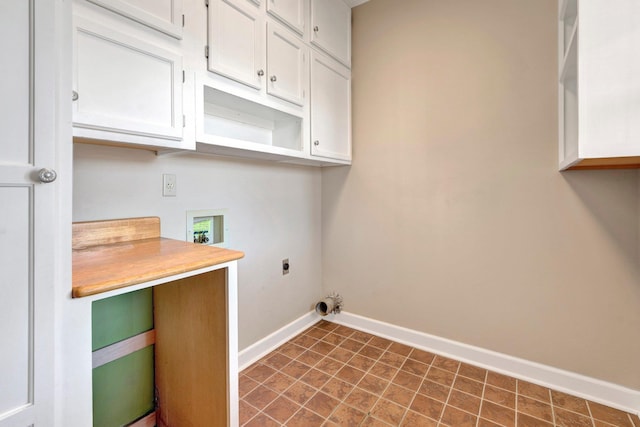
(169, 185)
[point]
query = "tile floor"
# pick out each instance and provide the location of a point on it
(331, 375)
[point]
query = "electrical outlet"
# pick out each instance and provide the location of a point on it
(169, 185)
(285, 266)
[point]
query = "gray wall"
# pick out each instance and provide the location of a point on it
(274, 213)
(453, 219)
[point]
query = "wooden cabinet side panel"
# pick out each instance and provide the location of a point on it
(191, 350)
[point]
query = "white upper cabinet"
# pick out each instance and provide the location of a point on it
(286, 65)
(127, 90)
(236, 40)
(331, 28)
(162, 15)
(330, 108)
(289, 12)
(599, 88)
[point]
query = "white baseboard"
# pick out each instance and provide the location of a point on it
(269, 343)
(569, 382)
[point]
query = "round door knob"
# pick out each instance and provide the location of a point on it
(74, 95)
(261, 73)
(47, 175)
(273, 78)
(316, 142)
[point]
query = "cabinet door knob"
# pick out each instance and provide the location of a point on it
(260, 73)
(47, 175)
(273, 78)
(74, 95)
(316, 29)
(316, 142)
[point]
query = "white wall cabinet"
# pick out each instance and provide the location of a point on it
(599, 90)
(128, 90)
(331, 28)
(330, 108)
(162, 15)
(286, 65)
(289, 12)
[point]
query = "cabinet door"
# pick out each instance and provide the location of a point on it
(286, 64)
(236, 40)
(161, 15)
(28, 216)
(330, 108)
(290, 12)
(125, 87)
(331, 25)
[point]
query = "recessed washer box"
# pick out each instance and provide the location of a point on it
(208, 227)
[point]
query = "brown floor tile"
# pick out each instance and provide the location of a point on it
(281, 409)
(370, 421)
(446, 364)
(337, 388)
(323, 347)
(344, 331)
(333, 339)
(322, 404)
(473, 372)
(393, 359)
(422, 356)
(245, 385)
(299, 392)
(407, 380)
(350, 374)
(498, 414)
(259, 372)
(525, 420)
(371, 351)
(323, 324)
(305, 418)
(329, 365)
(440, 376)
(246, 412)
(415, 367)
(500, 396)
(388, 411)
(347, 416)
(434, 390)
(399, 395)
(373, 384)
(464, 401)
(486, 423)
(571, 403)
(383, 370)
(260, 397)
(341, 354)
(279, 382)
(317, 333)
(363, 337)
(501, 381)
(635, 419)
(277, 360)
(427, 406)
(610, 415)
(361, 399)
(456, 418)
(291, 350)
(361, 362)
(309, 358)
(315, 378)
(535, 408)
(571, 419)
(304, 340)
(401, 349)
(468, 386)
(351, 345)
(413, 419)
(261, 420)
(534, 391)
(381, 343)
(296, 369)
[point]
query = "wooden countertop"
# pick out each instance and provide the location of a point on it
(114, 254)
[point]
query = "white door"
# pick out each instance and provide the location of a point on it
(286, 65)
(331, 28)
(27, 215)
(290, 12)
(330, 108)
(236, 39)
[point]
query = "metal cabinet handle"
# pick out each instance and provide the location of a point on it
(260, 73)
(316, 29)
(316, 142)
(273, 78)
(74, 96)
(47, 175)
